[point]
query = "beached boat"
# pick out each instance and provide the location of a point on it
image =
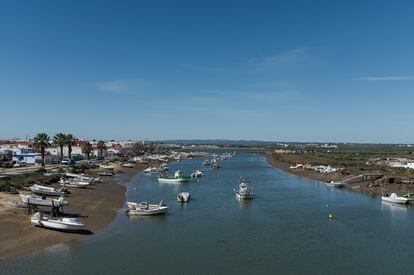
(146, 209)
(106, 174)
(59, 223)
(244, 192)
(77, 183)
(394, 198)
(177, 178)
(82, 177)
(48, 191)
(42, 200)
(183, 197)
(336, 183)
(106, 166)
(197, 174)
(128, 165)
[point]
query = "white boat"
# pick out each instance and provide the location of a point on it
(336, 183)
(44, 190)
(151, 170)
(146, 209)
(42, 200)
(59, 223)
(183, 197)
(197, 174)
(177, 178)
(106, 174)
(206, 162)
(107, 167)
(77, 183)
(394, 198)
(244, 192)
(128, 165)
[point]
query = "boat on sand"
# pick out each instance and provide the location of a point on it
(48, 191)
(58, 223)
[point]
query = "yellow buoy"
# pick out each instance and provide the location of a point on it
(330, 216)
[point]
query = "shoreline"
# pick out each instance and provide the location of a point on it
(97, 206)
(369, 187)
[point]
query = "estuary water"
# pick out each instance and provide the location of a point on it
(285, 229)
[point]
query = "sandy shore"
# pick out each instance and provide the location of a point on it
(371, 187)
(96, 206)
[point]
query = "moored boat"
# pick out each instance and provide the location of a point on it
(177, 178)
(59, 223)
(183, 197)
(244, 192)
(146, 209)
(394, 198)
(197, 174)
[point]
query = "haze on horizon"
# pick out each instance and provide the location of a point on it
(329, 71)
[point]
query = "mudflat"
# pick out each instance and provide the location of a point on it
(96, 207)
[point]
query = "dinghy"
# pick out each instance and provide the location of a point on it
(146, 209)
(59, 223)
(183, 197)
(74, 183)
(48, 191)
(394, 198)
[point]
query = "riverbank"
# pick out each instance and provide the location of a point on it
(373, 187)
(96, 206)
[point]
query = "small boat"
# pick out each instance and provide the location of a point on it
(394, 198)
(409, 196)
(177, 178)
(183, 197)
(206, 162)
(151, 170)
(244, 192)
(146, 209)
(336, 183)
(49, 191)
(128, 165)
(107, 167)
(74, 183)
(59, 223)
(197, 174)
(215, 163)
(42, 200)
(106, 174)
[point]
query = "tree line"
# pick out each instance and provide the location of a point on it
(42, 140)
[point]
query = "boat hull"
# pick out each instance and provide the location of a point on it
(173, 180)
(398, 200)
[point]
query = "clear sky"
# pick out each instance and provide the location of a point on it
(267, 70)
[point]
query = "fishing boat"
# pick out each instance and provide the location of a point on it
(42, 200)
(177, 178)
(409, 196)
(58, 223)
(394, 198)
(48, 191)
(146, 209)
(183, 197)
(197, 174)
(244, 192)
(215, 163)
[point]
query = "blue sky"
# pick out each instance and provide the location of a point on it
(268, 70)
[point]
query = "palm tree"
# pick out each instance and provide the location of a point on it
(60, 139)
(87, 149)
(41, 141)
(70, 140)
(101, 147)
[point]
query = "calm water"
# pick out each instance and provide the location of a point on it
(284, 230)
